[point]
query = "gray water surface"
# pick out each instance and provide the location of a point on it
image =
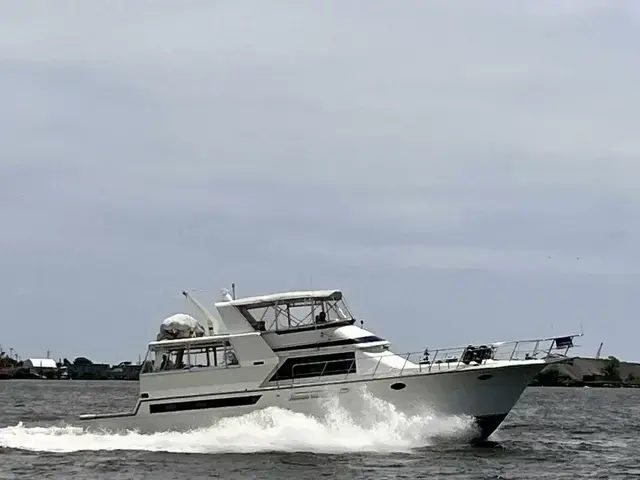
(550, 434)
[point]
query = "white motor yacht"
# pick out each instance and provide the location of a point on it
(293, 350)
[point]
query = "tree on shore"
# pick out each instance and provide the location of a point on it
(611, 369)
(548, 377)
(6, 361)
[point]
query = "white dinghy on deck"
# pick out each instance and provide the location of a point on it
(291, 349)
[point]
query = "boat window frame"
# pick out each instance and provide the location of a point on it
(270, 314)
(227, 347)
(220, 348)
(331, 363)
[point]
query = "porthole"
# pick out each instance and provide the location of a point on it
(485, 376)
(397, 386)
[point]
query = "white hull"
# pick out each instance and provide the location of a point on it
(297, 350)
(458, 392)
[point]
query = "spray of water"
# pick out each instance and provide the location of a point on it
(379, 428)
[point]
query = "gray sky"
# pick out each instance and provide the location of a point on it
(425, 157)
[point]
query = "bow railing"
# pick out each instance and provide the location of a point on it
(388, 364)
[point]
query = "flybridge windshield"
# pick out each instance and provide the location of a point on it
(296, 313)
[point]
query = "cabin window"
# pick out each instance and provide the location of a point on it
(147, 364)
(171, 359)
(218, 355)
(215, 355)
(316, 365)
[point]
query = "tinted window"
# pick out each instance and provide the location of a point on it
(317, 365)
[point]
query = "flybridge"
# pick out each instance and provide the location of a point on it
(277, 312)
(317, 319)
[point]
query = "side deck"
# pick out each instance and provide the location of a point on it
(386, 364)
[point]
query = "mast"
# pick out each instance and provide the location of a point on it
(214, 326)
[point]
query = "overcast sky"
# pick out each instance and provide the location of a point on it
(463, 171)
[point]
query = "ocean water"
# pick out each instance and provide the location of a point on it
(550, 434)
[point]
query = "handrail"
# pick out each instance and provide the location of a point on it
(377, 365)
(459, 358)
(324, 368)
(405, 362)
(510, 342)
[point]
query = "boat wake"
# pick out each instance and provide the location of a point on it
(380, 429)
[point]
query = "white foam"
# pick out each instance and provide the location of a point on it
(381, 429)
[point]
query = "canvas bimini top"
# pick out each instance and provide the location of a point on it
(285, 311)
(284, 298)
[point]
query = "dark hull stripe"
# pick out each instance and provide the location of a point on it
(204, 404)
(318, 326)
(336, 343)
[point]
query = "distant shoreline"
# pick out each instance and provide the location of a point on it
(579, 372)
(81, 371)
(590, 372)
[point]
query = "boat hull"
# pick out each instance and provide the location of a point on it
(486, 394)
